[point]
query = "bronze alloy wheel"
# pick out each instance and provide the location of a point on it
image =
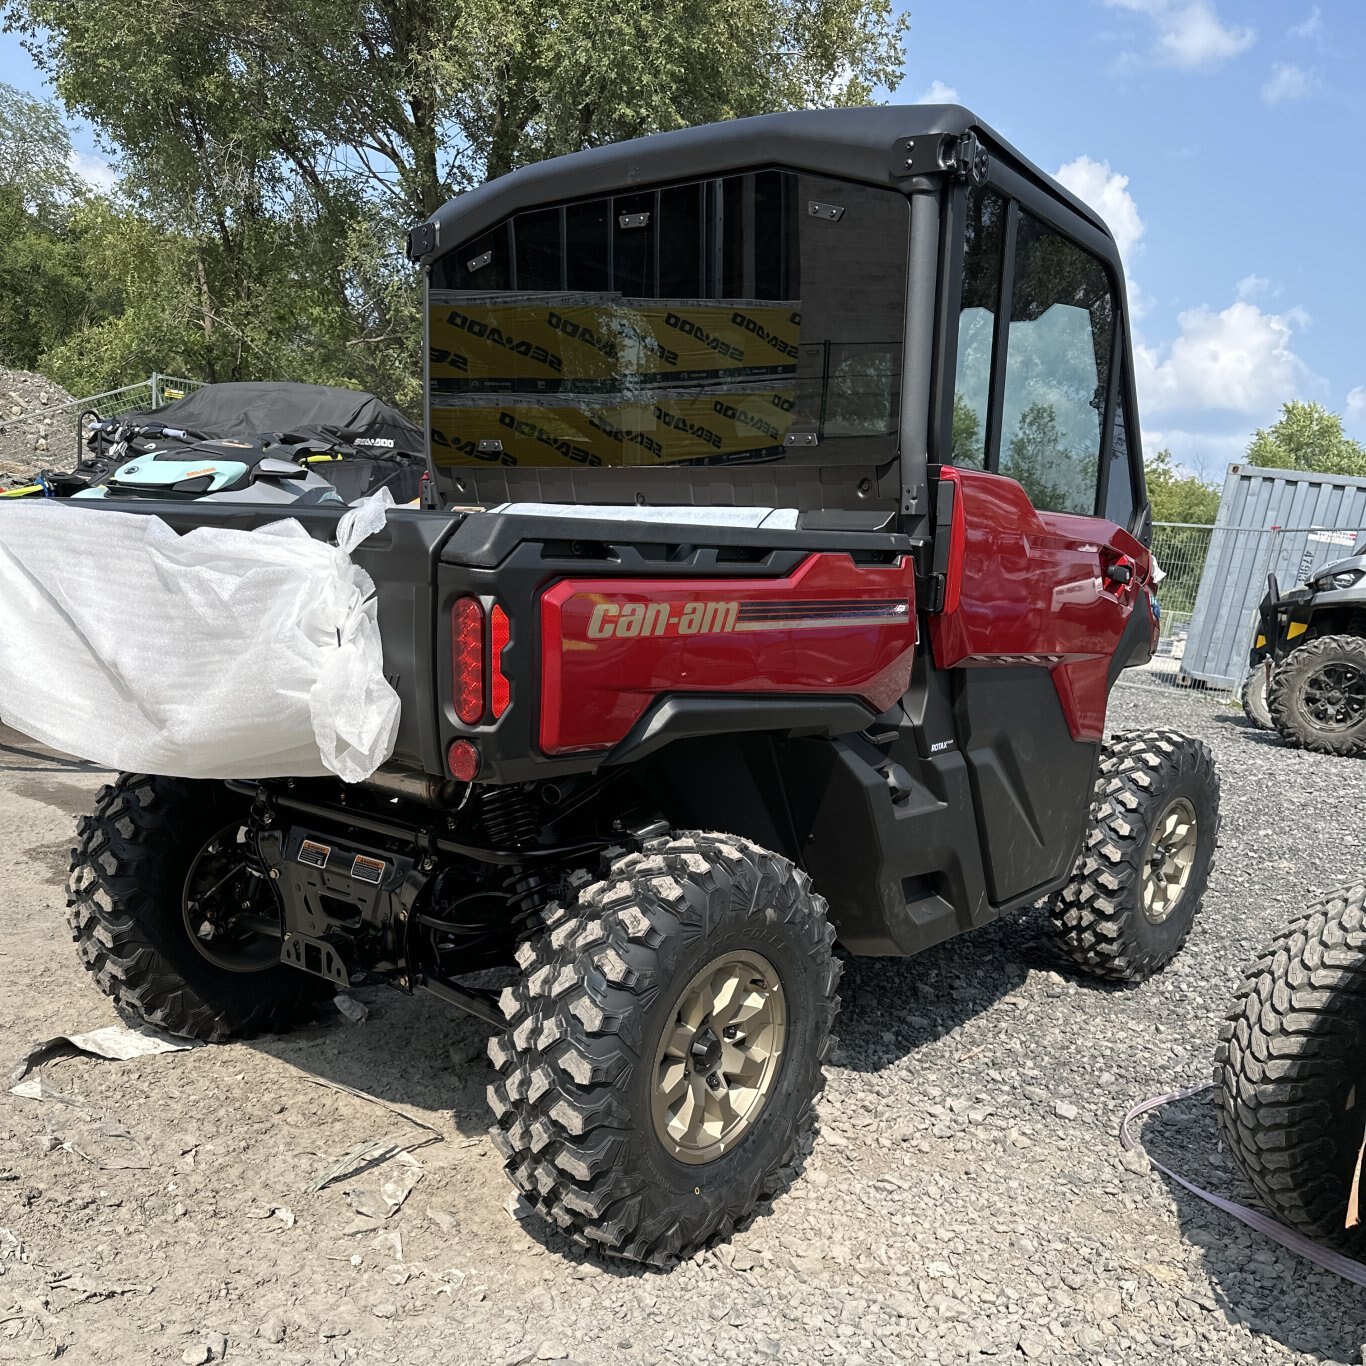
(716, 1065)
(1169, 858)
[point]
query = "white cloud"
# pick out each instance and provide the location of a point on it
(1311, 27)
(1240, 361)
(95, 171)
(1190, 35)
(1205, 454)
(1107, 192)
(1287, 82)
(937, 93)
(1250, 286)
(1356, 401)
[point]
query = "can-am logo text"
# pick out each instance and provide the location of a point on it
(632, 619)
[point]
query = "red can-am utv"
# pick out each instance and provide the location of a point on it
(793, 535)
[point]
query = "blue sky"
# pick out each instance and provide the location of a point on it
(1216, 137)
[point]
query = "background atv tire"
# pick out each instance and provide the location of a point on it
(1304, 688)
(1146, 789)
(1253, 697)
(601, 992)
(1291, 1071)
(125, 900)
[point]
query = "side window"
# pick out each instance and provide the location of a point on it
(982, 246)
(1119, 492)
(1057, 370)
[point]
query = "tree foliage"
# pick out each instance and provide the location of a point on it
(1032, 458)
(1181, 550)
(1307, 437)
(1177, 496)
(276, 153)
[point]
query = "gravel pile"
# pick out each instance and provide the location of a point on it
(40, 441)
(966, 1202)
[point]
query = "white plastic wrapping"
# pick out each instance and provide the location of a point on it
(217, 654)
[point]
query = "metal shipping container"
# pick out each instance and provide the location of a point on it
(1282, 522)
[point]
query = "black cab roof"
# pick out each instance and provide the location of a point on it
(886, 145)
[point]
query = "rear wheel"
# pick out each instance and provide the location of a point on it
(1317, 695)
(1146, 859)
(1291, 1074)
(1253, 697)
(664, 1047)
(170, 917)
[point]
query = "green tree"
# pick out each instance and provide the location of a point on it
(284, 149)
(1033, 457)
(40, 287)
(1307, 437)
(35, 150)
(1177, 497)
(967, 434)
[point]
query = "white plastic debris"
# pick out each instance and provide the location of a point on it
(113, 1042)
(217, 654)
(355, 1011)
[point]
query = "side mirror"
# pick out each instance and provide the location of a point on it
(277, 469)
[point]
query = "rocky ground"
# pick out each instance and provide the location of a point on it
(966, 1202)
(40, 442)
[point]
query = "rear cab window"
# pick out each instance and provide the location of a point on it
(747, 318)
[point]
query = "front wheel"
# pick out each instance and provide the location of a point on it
(171, 919)
(1317, 695)
(1146, 858)
(1253, 697)
(1290, 1074)
(664, 1046)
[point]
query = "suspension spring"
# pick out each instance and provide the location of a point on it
(508, 817)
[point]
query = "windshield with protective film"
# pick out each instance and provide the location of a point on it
(754, 317)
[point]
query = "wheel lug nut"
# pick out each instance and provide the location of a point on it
(714, 1082)
(729, 1032)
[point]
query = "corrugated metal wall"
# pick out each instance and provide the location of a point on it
(1270, 522)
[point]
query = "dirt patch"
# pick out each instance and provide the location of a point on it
(42, 439)
(967, 1200)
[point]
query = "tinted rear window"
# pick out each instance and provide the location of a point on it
(748, 318)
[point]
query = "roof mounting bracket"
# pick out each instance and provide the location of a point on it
(965, 157)
(421, 241)
(962, 154)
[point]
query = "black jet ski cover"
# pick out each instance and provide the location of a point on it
(306, 412)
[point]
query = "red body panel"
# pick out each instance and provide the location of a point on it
(610, 647)
(1028, 587)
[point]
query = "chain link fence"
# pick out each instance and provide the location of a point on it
(1215, 580)
(54, 433)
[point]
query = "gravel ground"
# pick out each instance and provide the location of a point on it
(966, 1201)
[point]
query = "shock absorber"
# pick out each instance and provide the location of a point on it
(529, 892)
(508, 817)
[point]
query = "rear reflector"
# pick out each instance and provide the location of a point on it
(500, 630)
(463, 760)
(467, 660)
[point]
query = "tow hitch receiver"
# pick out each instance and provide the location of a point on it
(342, 903)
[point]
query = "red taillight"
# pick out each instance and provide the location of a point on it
(500, 630)
(463, 759)
(467, 660)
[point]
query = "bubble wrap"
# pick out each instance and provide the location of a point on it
(217, 654)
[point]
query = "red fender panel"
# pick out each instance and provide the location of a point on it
(610, 647)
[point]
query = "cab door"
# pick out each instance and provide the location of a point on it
(1045, 588)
